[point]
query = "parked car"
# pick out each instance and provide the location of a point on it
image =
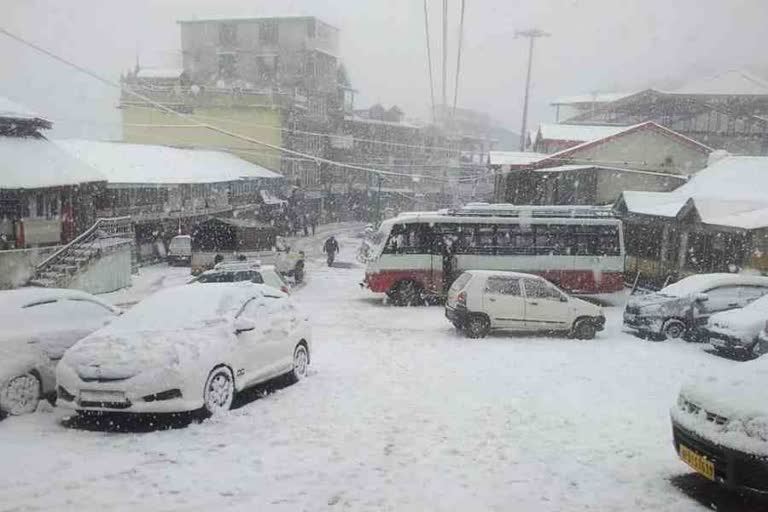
(720, 426)
(737, 332)
(681, 309)
(214, 341)
(39, 325)
(483, 300)
(180, 250)
(237, 272)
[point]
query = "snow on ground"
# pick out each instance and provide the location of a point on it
(399, 413)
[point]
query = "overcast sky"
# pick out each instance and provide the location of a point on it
(596, 45)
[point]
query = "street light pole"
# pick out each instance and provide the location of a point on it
(531, 35)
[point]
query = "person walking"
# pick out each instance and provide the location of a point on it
(330, 248)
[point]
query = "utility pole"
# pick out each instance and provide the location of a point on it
(445, 58)
(531, 35)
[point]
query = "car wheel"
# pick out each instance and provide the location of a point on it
(476, 326)
(584, 329)
(20, 395)
(407, 293)
(219, 391)
(300, 363)
(673, 329)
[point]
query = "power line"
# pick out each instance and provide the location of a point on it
(211, 127)
(429, 60)
(458, 59)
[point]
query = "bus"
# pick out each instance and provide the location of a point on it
(417, 255)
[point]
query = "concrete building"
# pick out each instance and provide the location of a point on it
(646, 156)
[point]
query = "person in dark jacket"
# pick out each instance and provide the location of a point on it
(330, 248)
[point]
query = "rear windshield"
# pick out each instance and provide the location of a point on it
(231, 277)
(460, 283)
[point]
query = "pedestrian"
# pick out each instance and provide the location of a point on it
(304, 223)
(330, 248)
(313, 220)
(4, 245)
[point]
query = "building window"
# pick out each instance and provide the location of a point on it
(228, 34)
(268, 32)
(227, 65)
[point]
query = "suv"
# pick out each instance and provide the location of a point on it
(482, 300)
(238, 272)
(180, 250)
(720, 426)
(683, 308)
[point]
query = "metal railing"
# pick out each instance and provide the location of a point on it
(115, 227)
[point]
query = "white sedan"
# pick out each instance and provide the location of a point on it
(187, 348)
(39, 325)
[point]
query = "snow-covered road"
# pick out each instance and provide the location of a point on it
(399, 413)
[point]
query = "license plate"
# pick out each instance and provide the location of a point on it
(697, 462)
(717, 342)
(102, 396)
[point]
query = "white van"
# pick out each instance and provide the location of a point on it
(180, 250)
(483, 300)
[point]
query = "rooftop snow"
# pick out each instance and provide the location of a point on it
(591, 98)
(730, 192)
(160, 73)
(734, 82)
(27, 162)
(12, 110)
(141, 163)
(515, 157)
(577, 132)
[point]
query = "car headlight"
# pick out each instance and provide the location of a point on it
(756, 427)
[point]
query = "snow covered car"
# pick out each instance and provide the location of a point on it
(483, 300)
(737, 332)
(187, 348)
(39, 325)
(682, 309)
(237, 272)
(720, 426)
(180, 250)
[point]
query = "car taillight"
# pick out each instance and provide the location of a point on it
(461, 298)
(284, 289)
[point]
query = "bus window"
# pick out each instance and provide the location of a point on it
(413, 238)
(608, 241)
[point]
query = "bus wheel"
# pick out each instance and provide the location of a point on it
(407, 293)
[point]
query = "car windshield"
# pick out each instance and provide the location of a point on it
(385, 255)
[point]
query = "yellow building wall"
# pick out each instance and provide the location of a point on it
(144, 125)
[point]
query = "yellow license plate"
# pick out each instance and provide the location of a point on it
(697, 462)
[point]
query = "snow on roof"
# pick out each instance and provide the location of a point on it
(733, 82)
(159, 73)
(515, 157)
(12, 110)
(142, 163)
(592, 98)
(730, 192)
(38, 163)
(577, 132)
(702, 282)
(583, 167)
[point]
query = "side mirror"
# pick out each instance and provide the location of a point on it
(244, 325)
(702, 297)
(563, 298)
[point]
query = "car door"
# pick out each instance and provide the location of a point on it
(503, 302)
(546, 308)
(260, 349)
(722, 298)
(59, 324)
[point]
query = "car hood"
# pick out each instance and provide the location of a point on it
(115, 355)
(737, 393)
(739, 322)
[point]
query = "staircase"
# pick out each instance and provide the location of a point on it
(63, 266)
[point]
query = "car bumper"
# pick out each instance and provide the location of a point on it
(727, 342)
(456, 315)
(733, 469)
(149, 392)
(641, 323)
